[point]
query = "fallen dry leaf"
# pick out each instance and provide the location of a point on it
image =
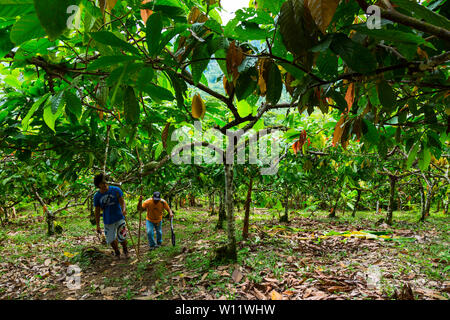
(275, 295)
(259, 294)
(237, 275)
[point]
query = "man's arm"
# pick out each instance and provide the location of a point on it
(122, 205)
(166, 206)
(97, 219)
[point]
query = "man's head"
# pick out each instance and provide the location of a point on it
(156, 196)
(100, 182)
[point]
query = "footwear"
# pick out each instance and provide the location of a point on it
(117, 255)
(153, 248)
(158, 245)
(126, 253)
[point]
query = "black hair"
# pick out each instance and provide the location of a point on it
(99, 179)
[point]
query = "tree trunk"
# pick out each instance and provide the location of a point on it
(211, 203)
(333, 210)
(50, 217)
(191, 200)
(285, 217)
(392, 180)
(378, 206)
(358, 197)
(229, 206)
(222, 213)
(428, 200)
(248, 201)
(176, 203)
(446, 205)
(90, 205)
(422, 199)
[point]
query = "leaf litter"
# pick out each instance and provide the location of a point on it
(308, 259)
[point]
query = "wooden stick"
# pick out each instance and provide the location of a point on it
(139, 212)
(131, 238)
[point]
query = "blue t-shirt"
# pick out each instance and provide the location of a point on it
(109, 203)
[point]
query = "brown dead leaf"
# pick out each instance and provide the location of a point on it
(307, 293)
(204, 277)
(145, 13)
(430, 293)
(234, 58)
(237, 275)
(275, 295)
(109, 290)
(334, 289)
(318, 295)
(338, 130)
(259, 294)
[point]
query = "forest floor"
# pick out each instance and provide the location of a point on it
(311, 257)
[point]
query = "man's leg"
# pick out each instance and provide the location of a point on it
(150, 234)
(110, 235)
(125, 248)
(121, 236)
(158, 227)
(115, 247)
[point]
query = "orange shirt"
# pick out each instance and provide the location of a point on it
(155, 209)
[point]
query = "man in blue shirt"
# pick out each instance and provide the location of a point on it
(109, 199)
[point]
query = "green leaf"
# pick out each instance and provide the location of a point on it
(109, 61)
(274, 84)
(73, 104)
(53, 15)
(244, 108)
(56, 101)
(145, 77)
(370, 132)
(273, 6)
(33, 109)
(425, 160)
(327, 62)
(200, 56)
(5, 42)
(111, 39)
(158, 93)
(168, 35)
(357, 57)
(297, 73)
(245, 85)
(422, 12)
(153, 33)
(395, 36)
(159, 150)
(13, 8)
(386, 95)
(131, 106)
(179, 87)
(25, 29)
(3, 115)
(412, 154)
(50, 116)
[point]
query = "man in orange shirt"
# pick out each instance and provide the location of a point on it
(155, 207)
